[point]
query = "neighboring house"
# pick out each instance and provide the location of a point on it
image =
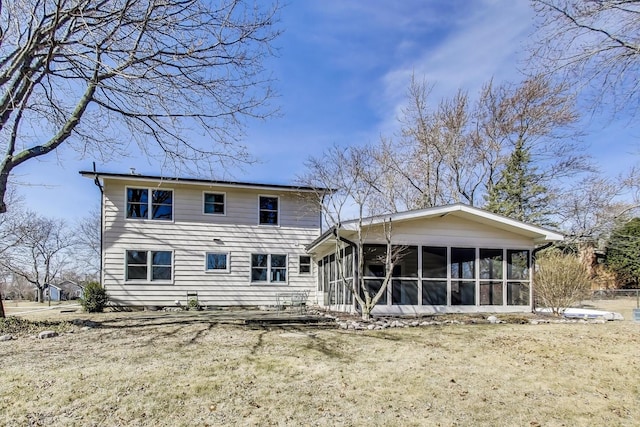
(52, 293)
(231, 243)
(71, 290)
(455, 258)
(241, 244)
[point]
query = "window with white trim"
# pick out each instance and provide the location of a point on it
(268, 210)
(214, 204)
(269, 268)
(304, 264)
(140, 206)
(148, 266)
(217, 262)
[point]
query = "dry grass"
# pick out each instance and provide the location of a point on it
(165, 369)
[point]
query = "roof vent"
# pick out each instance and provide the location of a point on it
(132, 171)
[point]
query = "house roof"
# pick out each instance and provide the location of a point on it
(198, 181)
(538, 234)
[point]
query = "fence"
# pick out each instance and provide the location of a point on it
(612, 294)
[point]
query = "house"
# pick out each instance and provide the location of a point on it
(243, 244)
(227, 243)
(453, 258)
(71, 290)
(52, 293)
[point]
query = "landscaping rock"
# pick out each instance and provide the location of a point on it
(47, 334)
(492, 319)
(6, 337)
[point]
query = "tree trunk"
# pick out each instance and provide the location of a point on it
(366, 312)
(2, 315)
(40, 294)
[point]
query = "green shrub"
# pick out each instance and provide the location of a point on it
(95, 298)
(193, 304)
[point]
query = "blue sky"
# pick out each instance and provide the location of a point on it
(342, 71)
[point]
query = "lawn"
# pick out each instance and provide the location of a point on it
(168, 369)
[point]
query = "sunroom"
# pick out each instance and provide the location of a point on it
(447, 259)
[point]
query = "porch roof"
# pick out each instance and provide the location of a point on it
(538, 234)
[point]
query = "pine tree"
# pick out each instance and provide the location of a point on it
(518, 194)
(623, 252)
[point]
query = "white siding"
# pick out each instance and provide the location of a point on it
(449, 231)
(192, 233)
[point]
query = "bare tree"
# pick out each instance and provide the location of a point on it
(177, 77)
(41, 253)
(87, 245)
(358, 189)
(592, 42)
(594, 206)
(462, 151)
(10, 235)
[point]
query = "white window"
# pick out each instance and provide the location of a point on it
(304, 264)
(159, 206)
(214, 204)
(148, 266)
(269, 268)
(217, 262)
(269, 211)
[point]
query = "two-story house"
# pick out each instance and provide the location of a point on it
(242, 244)
(232, 243)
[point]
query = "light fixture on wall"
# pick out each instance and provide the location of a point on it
(217, 240)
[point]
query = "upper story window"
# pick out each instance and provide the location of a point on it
(269, 210)
(214, 203)
(159, 206)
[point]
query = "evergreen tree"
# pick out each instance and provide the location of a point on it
(623, 252)
(518, 193)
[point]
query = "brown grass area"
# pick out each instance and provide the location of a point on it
(162, 369)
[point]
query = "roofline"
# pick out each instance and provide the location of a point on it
(198, 181)
(546, 234)
(456, 207)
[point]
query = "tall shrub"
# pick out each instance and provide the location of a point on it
(95, 298)
(561, 280)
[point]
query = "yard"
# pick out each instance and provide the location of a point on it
(174, 369)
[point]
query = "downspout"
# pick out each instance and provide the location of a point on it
(96, 181)
(533, 265)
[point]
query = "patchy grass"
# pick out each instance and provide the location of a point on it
(18, 326)
(163, 369)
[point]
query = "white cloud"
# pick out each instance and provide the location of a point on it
(484, 42)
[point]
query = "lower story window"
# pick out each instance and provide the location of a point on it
(149, 265)
(270, 268)
(305, 264)
(217, 262)
(517, 293)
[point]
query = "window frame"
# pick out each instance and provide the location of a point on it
(277, 211)
(269, 270)
(149, 267)
(216, 193)
(301, 264)
(217, 270)
(149, 203)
